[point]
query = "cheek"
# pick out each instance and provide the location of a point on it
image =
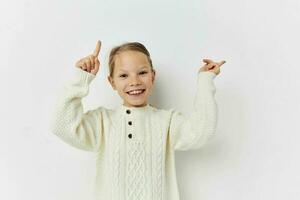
(120, 83)
(120, 87)
(150, 80)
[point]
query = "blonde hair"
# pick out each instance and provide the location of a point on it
(128, 46)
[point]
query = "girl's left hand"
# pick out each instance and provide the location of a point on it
(212, 66)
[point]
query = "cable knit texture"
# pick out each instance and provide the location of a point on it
(134, 146)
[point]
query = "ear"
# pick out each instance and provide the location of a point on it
(153, 76)
(111, 81)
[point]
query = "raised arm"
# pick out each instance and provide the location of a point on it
(81, 130)
(187, 133)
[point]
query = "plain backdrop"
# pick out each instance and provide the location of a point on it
(255, 153)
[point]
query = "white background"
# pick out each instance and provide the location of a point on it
(255, 154)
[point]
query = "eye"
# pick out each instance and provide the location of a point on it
(144, 72)
(123, 75)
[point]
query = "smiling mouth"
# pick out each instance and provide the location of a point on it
(135, 94)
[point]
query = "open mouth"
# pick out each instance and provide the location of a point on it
(136, 93)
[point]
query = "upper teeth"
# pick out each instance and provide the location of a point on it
(135, 91)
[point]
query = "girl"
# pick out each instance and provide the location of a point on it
(134, 143)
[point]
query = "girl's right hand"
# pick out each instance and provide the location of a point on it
(90, 63)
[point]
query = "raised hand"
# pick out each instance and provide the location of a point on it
(91, 62)
(211, 66)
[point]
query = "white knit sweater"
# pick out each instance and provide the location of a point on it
(134, 146)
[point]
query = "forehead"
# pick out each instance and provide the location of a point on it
(130, 60)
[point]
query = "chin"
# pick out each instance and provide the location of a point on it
(137, 104)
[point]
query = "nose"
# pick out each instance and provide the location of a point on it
(134, 80)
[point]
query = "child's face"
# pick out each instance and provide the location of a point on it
(132, 72)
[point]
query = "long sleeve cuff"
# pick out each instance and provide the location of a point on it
(205, 81)
(81, 76)
(206, 75)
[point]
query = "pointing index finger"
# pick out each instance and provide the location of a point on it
(222, 62)
(97, 49)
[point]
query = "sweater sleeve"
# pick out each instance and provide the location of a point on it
(68, 122)
(188, 133)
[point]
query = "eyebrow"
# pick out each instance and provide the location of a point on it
(140, 69)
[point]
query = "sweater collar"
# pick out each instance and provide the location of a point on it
(133, 110)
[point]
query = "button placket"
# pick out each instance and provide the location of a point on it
(129, 124)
